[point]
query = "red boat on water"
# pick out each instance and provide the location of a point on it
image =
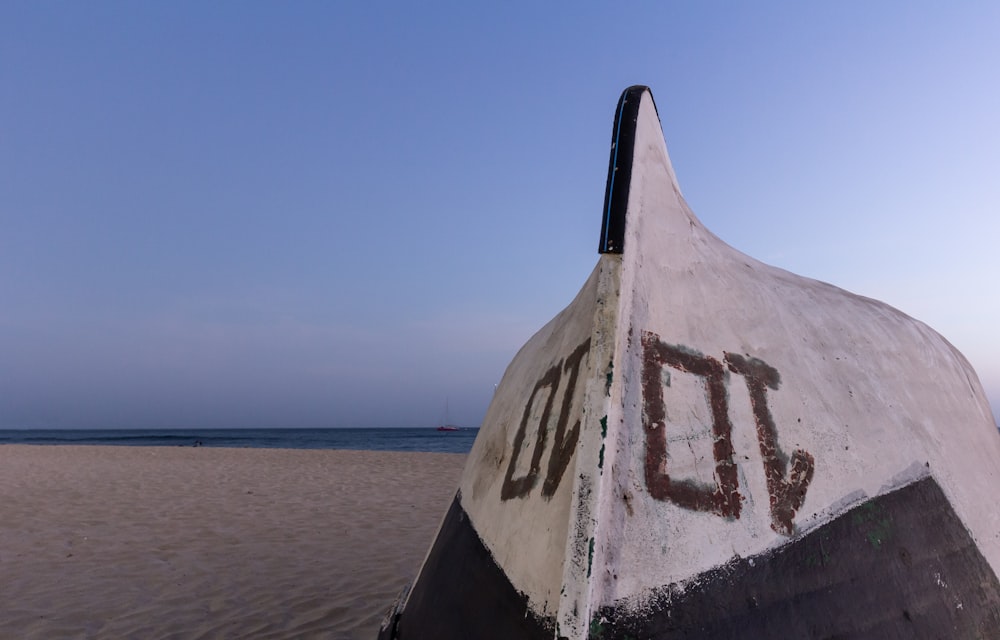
(445, 426)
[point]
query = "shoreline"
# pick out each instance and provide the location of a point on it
(380, 439)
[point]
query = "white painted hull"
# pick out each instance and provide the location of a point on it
(693, 410)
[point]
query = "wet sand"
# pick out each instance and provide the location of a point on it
(183, 542)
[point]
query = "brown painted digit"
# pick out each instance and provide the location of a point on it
(787, 487)
(723, 497)
(564, 443)
(519, 487)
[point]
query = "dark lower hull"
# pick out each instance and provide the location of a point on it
(901, 565)
(462, 593)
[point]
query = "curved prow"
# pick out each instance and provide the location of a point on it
(703, 445)
(620, 170)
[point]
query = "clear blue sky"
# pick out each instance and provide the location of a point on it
(341, 214)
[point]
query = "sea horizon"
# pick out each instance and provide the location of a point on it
(415, 439)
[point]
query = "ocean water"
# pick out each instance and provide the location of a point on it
(394, 439)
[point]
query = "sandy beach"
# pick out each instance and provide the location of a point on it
(183, 542)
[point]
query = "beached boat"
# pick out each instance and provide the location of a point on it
(704, 446)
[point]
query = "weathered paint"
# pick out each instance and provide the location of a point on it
(461, 578)
(564, 442)
(721, 496)
(901, 565)
(865, 394)
(786, 487)
(749, 412)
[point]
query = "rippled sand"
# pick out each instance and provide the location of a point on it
(163, 542)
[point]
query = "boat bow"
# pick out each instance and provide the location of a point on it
(702, 445)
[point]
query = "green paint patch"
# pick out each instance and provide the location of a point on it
(821, 557)
(590, 557)
(596, 629)
(871, 521)
(604, 434)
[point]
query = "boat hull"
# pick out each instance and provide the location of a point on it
(704, 446)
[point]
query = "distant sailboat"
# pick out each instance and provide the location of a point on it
(446, 423)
